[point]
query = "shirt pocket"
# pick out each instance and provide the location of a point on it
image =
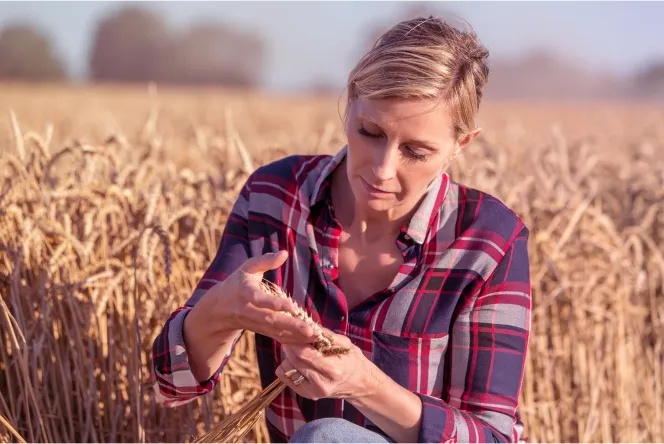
(416, 362)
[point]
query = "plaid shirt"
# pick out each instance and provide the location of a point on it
(453, 327)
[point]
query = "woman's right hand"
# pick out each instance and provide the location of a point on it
(237, 304)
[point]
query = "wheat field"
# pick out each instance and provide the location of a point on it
(86, 170)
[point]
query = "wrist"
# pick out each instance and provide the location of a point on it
(204, 345)
(200, 326)
(209, 318)
(191, 329)
(369, 383)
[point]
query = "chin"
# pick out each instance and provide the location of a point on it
(379, 207)
(376, 204)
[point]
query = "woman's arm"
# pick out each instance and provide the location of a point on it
(487, 356)
(173, 380)
(199, 338)
(394, 409)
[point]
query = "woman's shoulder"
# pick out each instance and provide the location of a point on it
(295, 166)
(485, 213)
(291, 176)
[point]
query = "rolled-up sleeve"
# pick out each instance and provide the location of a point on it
(489, 341)
(173, 381)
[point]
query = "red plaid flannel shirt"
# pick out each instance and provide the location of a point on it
(453, 327)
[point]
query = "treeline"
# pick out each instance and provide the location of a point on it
(136, 45)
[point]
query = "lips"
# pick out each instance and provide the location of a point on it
(372, 189)
(377, 189)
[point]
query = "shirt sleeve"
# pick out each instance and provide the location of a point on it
(489, 340)
(173, 381)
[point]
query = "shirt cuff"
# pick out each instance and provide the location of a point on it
(437, 423)
(175, 383)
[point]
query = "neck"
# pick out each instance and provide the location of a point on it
(367, 224)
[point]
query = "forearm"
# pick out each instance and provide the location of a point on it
(204, 355)
(183, 366)
(409, 417)
(177, 377)
(394, 409)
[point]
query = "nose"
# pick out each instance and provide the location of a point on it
(385, 163)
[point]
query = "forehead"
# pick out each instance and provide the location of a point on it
(413, 117)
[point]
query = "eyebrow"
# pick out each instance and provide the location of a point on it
(425, 144)
(431, 146)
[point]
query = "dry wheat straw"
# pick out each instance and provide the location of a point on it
(235, 427)
(590, 188)
(163, 238)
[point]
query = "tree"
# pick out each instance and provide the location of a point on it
(136, 45)
(26, 54)
(131, 45)
(211, 53)
(648, 83)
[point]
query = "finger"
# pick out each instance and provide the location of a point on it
(261, 299)
(294, 354)
(282, 327)
(338, 339)
(304, 389)
(288, 373)
(306, 356)
(281, 374)
(312, 356)
(266, 262)
(283, 321)
(284, 367)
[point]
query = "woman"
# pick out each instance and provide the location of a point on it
(426, 280)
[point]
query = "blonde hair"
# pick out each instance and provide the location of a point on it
(425, 58)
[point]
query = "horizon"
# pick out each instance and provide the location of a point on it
(583, 32)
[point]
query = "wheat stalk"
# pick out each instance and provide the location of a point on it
(235, 427)
(598, 311)
(163, 238)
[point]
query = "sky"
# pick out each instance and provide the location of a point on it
(318, 42)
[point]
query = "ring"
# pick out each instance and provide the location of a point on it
(297, 381)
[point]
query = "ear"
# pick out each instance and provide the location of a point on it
(466, 139)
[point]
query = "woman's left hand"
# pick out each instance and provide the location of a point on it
(347, 376)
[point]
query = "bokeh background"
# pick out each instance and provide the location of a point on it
(128, 128)
(570, 50)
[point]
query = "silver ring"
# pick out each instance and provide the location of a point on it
(297, 381)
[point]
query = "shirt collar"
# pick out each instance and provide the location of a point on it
(323, 180)
(417, 228)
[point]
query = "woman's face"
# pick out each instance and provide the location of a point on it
(396, 148)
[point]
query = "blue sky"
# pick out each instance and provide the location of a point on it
(312, 42)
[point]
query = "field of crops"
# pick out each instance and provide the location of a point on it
(83, 171)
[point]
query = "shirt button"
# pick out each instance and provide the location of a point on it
(343, 318)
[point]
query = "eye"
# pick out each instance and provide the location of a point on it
(366, 133)
(412, 155)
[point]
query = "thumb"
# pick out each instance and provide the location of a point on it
(268, 261)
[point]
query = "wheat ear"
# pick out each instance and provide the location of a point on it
(163, 237)
(237, 425)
